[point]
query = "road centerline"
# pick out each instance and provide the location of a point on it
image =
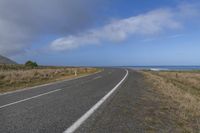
(26, 99)
(98, 77)
(48, 92)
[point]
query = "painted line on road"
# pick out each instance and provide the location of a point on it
(83, 118)
(6, 105)
(47, 84)
(98, 77)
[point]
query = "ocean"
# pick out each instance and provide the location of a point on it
(166, 68)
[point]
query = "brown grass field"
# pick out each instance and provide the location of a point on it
(13, 77)
(177, 101)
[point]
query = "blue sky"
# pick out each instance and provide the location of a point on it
(101, 32)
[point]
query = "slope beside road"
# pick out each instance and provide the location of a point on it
(54, 108)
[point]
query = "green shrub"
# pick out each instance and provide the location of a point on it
(31, 64)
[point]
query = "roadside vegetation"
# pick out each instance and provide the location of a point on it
(13, 77)
(174, 103)
(31, 64)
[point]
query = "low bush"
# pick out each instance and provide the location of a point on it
(31, 64)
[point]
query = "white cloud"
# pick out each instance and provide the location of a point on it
(148, 24)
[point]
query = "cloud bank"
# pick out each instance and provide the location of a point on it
(147, 24)
(24, 21)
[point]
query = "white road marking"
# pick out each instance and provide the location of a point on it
(98, 77)
(83, 118)
(23, 100)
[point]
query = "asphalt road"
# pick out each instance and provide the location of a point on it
(55, 107)
(120, 114)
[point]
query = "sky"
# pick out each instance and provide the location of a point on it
(101, 32)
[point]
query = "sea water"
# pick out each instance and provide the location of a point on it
(166, 68)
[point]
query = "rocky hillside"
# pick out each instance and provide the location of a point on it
(4, 60)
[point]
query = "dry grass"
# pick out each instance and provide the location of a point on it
(15, 77)
(181, 92)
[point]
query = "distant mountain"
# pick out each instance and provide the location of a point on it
(5, 60)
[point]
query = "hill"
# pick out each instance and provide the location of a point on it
(5, 60)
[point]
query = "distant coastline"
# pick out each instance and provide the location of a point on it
(165, 68)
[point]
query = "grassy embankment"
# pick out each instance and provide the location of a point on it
(176, 101)
(13, 77)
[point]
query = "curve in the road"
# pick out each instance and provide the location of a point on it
(82, 119)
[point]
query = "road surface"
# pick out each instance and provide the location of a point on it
(58, 107)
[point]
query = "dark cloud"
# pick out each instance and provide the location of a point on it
(23, 21)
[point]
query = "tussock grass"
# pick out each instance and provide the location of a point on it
(14, 77)
(179, 91)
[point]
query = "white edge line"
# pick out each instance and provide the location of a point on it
(84, 117)
(6, 105)
(55, 82)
